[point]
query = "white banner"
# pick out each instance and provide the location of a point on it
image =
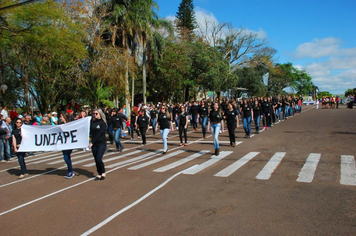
(72, 135)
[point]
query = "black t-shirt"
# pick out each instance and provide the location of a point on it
(203, 111)
(215, 117)
(183, 118)
(163, 121)
(175, 111)
(266, 106)
(194, 109)
(133, 119)
(257, 111)
(142, 121)
(246, 110)
(116, 122)
(231, 116)
(17, 134)
(97, 132)
(153, 114)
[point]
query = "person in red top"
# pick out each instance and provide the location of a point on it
(13, 114)
(337, 102)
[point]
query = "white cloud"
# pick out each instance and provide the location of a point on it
(318, 48)
(334, 68)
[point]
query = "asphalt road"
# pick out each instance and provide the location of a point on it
(298, 178)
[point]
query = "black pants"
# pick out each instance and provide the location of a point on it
(194, 121)
(268, 120)
(132, 131)
(231, 129)
(98, 153)
(181, 131)
(143, 134)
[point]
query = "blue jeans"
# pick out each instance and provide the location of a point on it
(279, 113)
(257, 123)
(176, 120)
(290, 111)
(164, 135)
(203, 121)
(247, 124)
(1, 149)
(194, 121)
(215, 130)
(116, 134)
(21, 159)
(8, 148)
(285, 114)
(123, 129)
(153, 123)
(109, 130)
(66, 157)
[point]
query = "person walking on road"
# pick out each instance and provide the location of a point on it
(65, 118)
(116, 129)
(165, 125)
(247, 114)
(16, 141)
(257, 114)
(98, 141)
(215, 117)
(142, 125)
(183, 125)
(231, 117)
(203, 116)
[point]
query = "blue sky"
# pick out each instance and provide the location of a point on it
(317, 36)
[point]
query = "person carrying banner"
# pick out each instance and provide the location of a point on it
(98, 141)
(65, 118)
(16, 141)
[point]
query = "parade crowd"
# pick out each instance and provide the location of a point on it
(114, 124)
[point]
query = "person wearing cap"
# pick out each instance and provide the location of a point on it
(71, 114)
(54, 118)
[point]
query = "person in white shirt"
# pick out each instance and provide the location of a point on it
(4, 112)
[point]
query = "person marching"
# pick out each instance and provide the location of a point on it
(65, 118)
(203, 117)
(16, 141)
(194, 109)
(153, 114)
(247, 114)
(142, 125)
(215, 117)
(133, 120)
(257, 114)
(98, 141)
(231, 117)
(183, 125)
(116, 129)
(266, 113)
(165, 125)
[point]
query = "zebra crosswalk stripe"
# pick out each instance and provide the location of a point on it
(348, 170)
(116, 157)
(236, 165)
(271, 165)
(197, 168)
(136, 159)
(181, 162)
(307, 173)
(156, 160)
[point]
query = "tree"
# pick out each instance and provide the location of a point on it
(185, 17)
(42, 50)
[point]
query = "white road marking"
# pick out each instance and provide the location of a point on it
(236, 165)
(107, 220)
(271, 165)
(308, 171)
(166, 156)
(149, 155)
(181, 162)
(348, 170)
(116, 158)
(212, 161)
